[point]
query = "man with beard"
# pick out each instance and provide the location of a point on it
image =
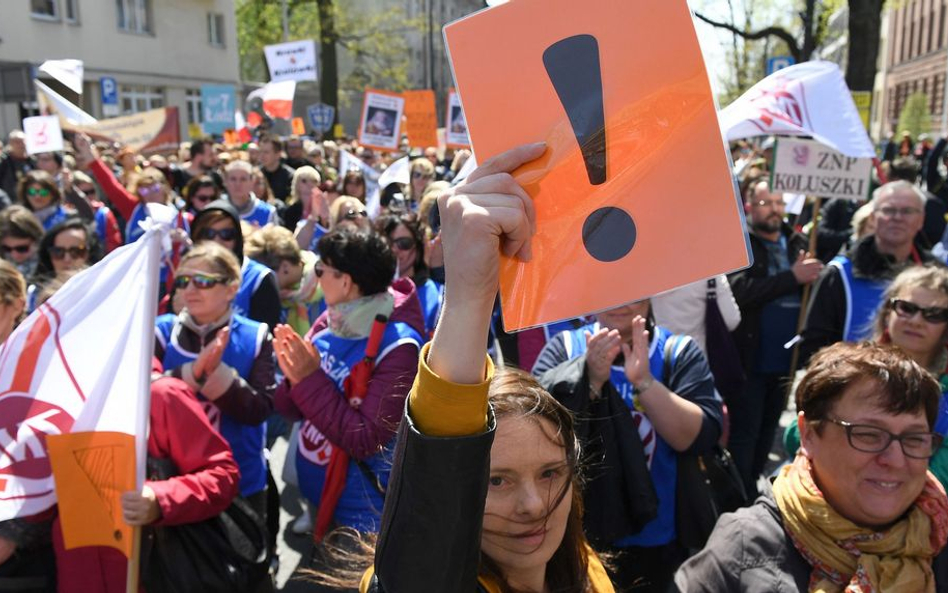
(848, 294)
(768, 294)
(203, 162)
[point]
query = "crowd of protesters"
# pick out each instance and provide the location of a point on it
(305, 302)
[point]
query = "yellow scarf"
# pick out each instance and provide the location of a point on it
(598, 577)
(854, 559)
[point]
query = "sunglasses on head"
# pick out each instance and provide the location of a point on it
(21, 249)
(38, 191)
(223, 234)
(355, 214)
(73, 252)
(909, 309)
(201, 281)
(149, 189)
(403, 243)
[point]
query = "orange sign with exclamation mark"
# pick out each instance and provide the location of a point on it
(634, 195)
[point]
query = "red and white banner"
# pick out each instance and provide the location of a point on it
(79, 368)
(275, 98)
(808, 99)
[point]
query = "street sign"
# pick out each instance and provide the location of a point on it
(110, 102)
(779, 63)
(321, 116)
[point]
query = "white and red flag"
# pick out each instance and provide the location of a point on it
(807, 99)
(276, 97)
(74, 385)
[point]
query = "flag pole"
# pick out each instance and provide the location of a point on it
(805, 298)
(150, 303)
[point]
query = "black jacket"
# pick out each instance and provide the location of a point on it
(753, 288)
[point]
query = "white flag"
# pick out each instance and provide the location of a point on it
(397, 172)
(349, 162)
(52, 103)
(276, 99)
(81, 363)
(807, 99)
(68, 72)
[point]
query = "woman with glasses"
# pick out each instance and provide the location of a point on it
(67, 247)
(350, 408)
(225, 357)
(857, 509)
(422, 175)
(405, 235)
(346, 211)
(257, 297)
(198, 193)
(20, 234)
(38, 192)
(353, 184)
(307, 212)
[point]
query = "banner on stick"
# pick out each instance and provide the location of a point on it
(294, 60)
(381, 120)
(810, 168)
(455, 128)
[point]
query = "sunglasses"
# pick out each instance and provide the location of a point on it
(403, 243)
(223, 234)
(929, 314)
(201, 281)
(73, 252)
(203, 198)
(320, 270)
(38, 191)
(149, 189)
(21, 249)
(354, 214)
(419, 175)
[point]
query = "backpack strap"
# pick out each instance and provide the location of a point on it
(669, 357)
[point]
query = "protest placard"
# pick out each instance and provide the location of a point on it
(218, 102)
(381, 119)
(619, 93)
(294, 60)
(156, 130)
(810, 168)
(455, 127)
(43, 134)
(421, 118)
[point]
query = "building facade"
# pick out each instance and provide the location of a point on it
(916, 60)
(159, 52)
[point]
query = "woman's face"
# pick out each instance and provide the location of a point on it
(335, 284)
(69, 251)
(259, 188)
(528, 499)
(919, 337)
(304, 188)
(151, 192)
(869, 489)
(208, 303)
(17, 249)
(419, 181)
(223, 232)
(38, 196)
(202, 197)
(403, 246)
(354, 187)
(9, 313)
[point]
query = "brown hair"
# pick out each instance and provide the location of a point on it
(904, 387)
(207, 219)
(221, 259)
(42, 179)
(272, 245)
(149, 176)
(18, 222)
(934, 278)
(12, 283)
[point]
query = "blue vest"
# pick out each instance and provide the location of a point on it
(261, 214)
(55, 218)
(318, 232)
(431, 295)
(661, 458)
(863, 298)
(102, 225)
(133, 232)
(251, 275)
(246, 441)
(360, 505)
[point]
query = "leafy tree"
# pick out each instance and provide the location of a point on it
(915, 117)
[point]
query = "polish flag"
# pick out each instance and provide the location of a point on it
(277, 98)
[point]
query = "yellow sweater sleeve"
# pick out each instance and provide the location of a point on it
(440, 408)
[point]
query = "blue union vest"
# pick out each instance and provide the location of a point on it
(863, 298)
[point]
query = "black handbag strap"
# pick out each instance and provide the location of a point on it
(712, 293)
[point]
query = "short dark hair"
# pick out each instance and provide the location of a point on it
(198, 146)
(905, 168)
(363, 255)
(44, 267)
(42, 179)
(273, 141)
(904, 387)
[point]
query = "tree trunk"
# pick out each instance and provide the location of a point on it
(865, 24)
(329, 75)
(809, 30)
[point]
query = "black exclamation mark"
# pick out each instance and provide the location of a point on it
(573, 67)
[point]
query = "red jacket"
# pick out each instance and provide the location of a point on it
(208, 483)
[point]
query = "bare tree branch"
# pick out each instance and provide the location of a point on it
(778, 32)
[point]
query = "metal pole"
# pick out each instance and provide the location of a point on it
(286, 21)
(944, 99)
(431, 75)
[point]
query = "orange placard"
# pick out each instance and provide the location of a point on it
(299, 128)
(381, 120)
(91, 471)
(634, 195)
(231, 138)
(421, 119)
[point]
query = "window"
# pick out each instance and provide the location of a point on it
(134, 16)
(193, 100)
(45, 9)
(215, 29)
(140, 98)
(72, 11)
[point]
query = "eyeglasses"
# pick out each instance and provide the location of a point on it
(909, 309)
(37, 191)
(73, 252)
(419, 175)
(223, 234)
(294, 147)
(201, 281)
(872, 439)
(319, 270)
(203, 198)
(892, 211)
(771, 203)
(21, 249)
(403, 243)
(149, 189)
(354, 214)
